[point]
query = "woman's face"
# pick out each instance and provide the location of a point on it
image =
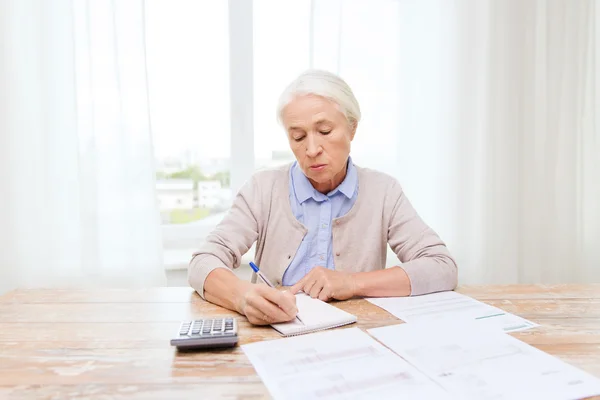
(320, 137)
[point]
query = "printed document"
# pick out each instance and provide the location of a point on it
(484, 363)
(339, 364)
(451, 308)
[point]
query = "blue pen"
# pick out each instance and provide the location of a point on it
(266, 281)
(260, 275)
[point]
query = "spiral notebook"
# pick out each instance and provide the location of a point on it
(316, 316)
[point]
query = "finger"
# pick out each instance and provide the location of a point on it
(296, 287)
(300, 284)
(269, 311)
(255, 317)
(282, 299)
(291, 298)
(325, 293)
(308, 287)
(316, 288)
(260, 317)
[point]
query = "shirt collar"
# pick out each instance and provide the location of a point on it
(304, 190)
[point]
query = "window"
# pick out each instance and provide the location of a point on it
(187, 50)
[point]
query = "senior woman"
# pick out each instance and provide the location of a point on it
(322, 224)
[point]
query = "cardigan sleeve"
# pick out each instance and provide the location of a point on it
(424, 256)
(230, 240)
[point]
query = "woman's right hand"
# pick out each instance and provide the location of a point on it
(264, 305)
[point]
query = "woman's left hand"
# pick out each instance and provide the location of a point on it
(325, 284)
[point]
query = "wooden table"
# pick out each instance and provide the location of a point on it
(100, 344)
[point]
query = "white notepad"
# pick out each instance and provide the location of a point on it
(316, 315)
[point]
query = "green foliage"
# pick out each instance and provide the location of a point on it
(223, 177)
(195, 174)
(192, 172)
(188, 215)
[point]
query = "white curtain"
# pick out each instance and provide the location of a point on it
(527, 141)
(493, 110)
(485, 110)
(78, 206)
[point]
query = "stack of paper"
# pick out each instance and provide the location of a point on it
(339, 364)
(474, 362)
(450, 308)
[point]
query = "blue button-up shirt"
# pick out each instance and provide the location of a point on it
(316, 210)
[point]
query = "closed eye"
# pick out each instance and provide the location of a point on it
(299, 139)
(324, 132)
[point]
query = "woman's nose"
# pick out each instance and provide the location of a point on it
(313, 147)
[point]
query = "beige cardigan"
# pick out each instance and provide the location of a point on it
(382, 214)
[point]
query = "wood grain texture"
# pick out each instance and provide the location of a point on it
(98, 344)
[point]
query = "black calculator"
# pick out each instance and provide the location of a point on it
(206, 334)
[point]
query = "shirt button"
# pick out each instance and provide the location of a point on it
(322, 258)
(337, 254)
(324, 225)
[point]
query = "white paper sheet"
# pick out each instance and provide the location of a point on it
(316, 315)
(450, 307)
(340, 364)
(475, 362)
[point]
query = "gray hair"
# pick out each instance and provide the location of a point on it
(324, 84)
